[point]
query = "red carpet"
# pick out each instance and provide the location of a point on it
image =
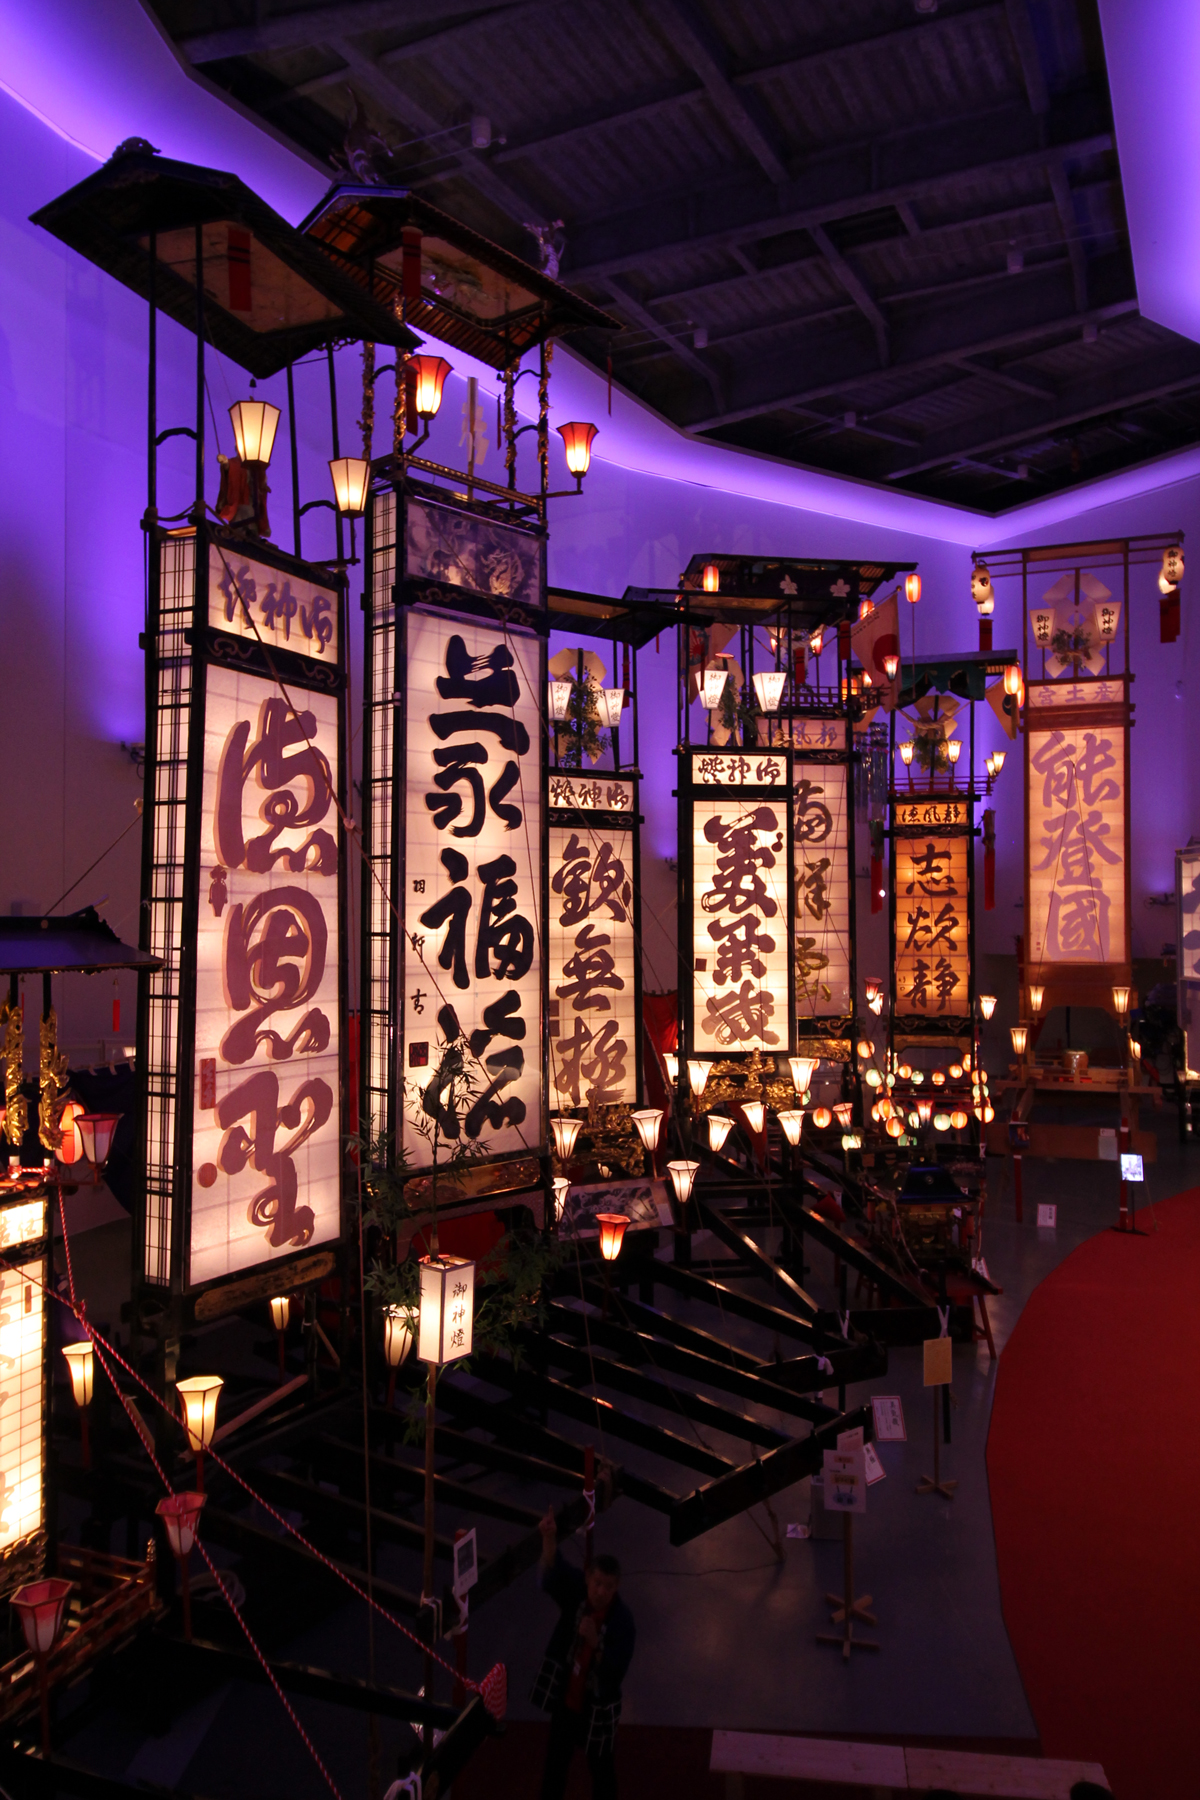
(1094, 1467)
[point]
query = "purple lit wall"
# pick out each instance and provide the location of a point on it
(72, 425)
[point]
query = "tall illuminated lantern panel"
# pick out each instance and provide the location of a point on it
(23, 1233)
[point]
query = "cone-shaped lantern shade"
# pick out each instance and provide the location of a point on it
(611, 705)
(648, 1124)
(351, 476)
(672, 1064)
(714, 686)
(199, 1395)
(577, 441)
(397, 1336)
(97, 1131)
(565, 1131)
(803, 1069)
(560, 699)
(719, 1129)
(987, 1005)
(39, 1606)
(612, 1234)
(428, 374)
(81, 1363)
(1020, 1037)
(792, 1120)
(180, 1514)
(561, 1187)
(755, 1114)
(683, 1177)
(254, 424)
(1121, 1001)
(698, 1073)
(281, 1310)
(769, 687)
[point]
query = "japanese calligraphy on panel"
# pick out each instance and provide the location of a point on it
(1075, 819)
(1187, 903)
(253, 600)
(473, 875)
(758, 769)
(267, 1135)
(593, 1023)
(822, 877)
(740, 872)
(931, 873)
(461, 550)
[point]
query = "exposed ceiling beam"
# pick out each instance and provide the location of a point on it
(1060, 187)
(908, 218)
(1130, 384)
(387, 93)
(1025, 45)
(578, 124)
(693, 40)
(857, 290)
(634, 309)
(316, 24)
(833, 363)
(739, 209)
(1020, 384)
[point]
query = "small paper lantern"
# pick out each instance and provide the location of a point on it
(997, 761)
(1041, 618)
(956, 1071)
(1106, 614)
(894, 1127)
(769, 688)
(672, 1064)
(891, 665)
(561, 1188)
(39, 1606)
(560, 699)
(254, 425)
(397, 1335)
(791, 1123)
(714, 686)
(447, 1317)
(81, 1365)
(281, 1307)
(351, 478)
(698, 1073)
(612, 1234)
(907, 749)
(958, 1119)
(719, 1129)
(822, 1118)
(938, 1078)
(886, 1107)
(917, 1077)
(803, 1068)
(577, 442)
(987, 1006)
(981, 590)
(1135, 1049)
(873, 988)
(1012, 678)
(611, 706)
(843, 1112)
(96, 1131)
(816, 641)
(180, 1514)
(1121, 1001)
(924, 1111)
(865, 1048)
(1172, 568)
(966, 1061)
(711, 578)
(565, 1130)
(755, 1114)
(941, 1121)
(914, 1120)
(851, 1140)
(954, 749)
(1020, 1038)
(71, 1142)
(429, 373)
(875, 1002)
(199, 1395)
(912, 588)
(648, 1125)
(905, 1072)
(873, 1078)
(683, 1178)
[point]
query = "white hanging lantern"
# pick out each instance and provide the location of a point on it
(719, 1129)
(560, 699)
(447, 1317)
(769, 688)
(565, 1130)
(648, 1124)
(611, 705)
(791, 1120)
(683, 1176)
(1041, 618)
(698, 1073)
(397, 1336)
(714, 686)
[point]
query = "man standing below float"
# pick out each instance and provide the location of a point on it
(585, 1662)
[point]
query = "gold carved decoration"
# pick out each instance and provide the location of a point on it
(614, 1138)
(732, 1083)
(52, 1080)
(12, 1052)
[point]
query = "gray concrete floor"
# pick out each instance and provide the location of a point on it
(727, 1633)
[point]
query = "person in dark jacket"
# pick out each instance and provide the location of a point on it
(585, 1662)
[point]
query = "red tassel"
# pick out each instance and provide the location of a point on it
(1168, 617)
(117, 1013)
(877, 884)
(989, 859)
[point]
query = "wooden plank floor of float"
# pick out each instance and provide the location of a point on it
(889, 1768)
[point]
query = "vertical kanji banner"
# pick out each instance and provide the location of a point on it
(1075, 819)
(1187, 913)
(822, 873)
(931, 873)
(592, 952)
(472, 968)
(741, 922)
(267, 1136)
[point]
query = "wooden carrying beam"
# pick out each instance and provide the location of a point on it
(754, 1482)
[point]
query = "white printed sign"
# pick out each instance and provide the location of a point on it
(875, 1469)
(1047, 1218)
(1131, 1168)
(845, 1481)
(889, 1419)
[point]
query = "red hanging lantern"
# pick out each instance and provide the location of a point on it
(612, 1234)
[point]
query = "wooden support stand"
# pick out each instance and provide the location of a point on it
(935, 1484)
(845, 1607)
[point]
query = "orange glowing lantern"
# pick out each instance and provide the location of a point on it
(612, 1234)
(577, 440)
